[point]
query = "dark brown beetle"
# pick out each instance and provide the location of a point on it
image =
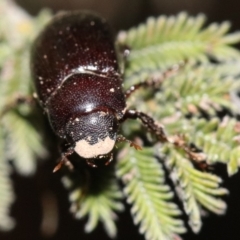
(78, 83)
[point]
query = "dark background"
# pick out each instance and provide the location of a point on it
(45, 188)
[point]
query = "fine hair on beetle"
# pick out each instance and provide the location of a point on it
(78, 83)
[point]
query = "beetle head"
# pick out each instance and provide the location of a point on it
(93, 134)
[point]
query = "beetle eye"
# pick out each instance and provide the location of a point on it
(93, 134)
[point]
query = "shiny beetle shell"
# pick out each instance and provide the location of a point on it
(77, 80)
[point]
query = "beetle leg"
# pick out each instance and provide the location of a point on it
(18, 100)
(58, 166)
(177, 140)
(155, 82)
(124, 51)
(64, 160)
(121, 138)
(109, 160)
(148, 122)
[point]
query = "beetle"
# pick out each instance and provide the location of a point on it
(78, 82)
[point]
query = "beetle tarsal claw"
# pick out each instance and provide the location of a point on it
(58, 166)
(132, 144)
(136, 146)
(64, 161)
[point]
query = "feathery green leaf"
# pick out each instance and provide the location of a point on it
(197, 189)
(164, 41)
(6, 190)
(19, 139)
(19, 150)
(151, 199)
(199, 89)
(96, 194)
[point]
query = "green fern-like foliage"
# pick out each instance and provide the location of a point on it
(192, 105)
(6, 191)
(196, 105)
(151, 198)
(164, 41)
(197, 189)
(20, 138)
(95, 193)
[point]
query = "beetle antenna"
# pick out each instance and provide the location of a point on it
(121, 138)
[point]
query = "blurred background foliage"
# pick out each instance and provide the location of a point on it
(41, 207)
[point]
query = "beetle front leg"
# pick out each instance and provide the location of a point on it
(177, 140)
(17, 100)
(64, 160)
(109, 159)
(148, 122)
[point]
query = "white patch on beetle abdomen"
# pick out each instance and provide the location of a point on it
(102, 147)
